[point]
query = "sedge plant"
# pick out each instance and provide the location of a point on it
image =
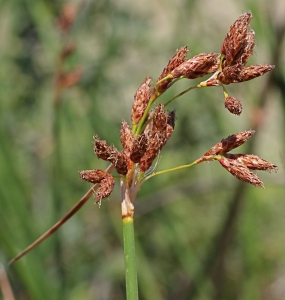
(152, 125)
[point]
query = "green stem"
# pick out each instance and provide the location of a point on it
(130, 258)
(182, 93)
(172, 170)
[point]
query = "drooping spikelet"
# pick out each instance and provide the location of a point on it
(253, 162)
(240, 171)
(105, 180)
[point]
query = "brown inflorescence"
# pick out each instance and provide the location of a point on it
(105, 180)
(151, 128)
(197, 66)
(111, 154)
(177, 59)
(254, 71)
(101, 148)
(253, 162)
(237, 48)
(238, 165)
(127, 138)
(234, 42)
(139, 148)
(229, 143)
(157, 137)
(240, 171)
(141, 100)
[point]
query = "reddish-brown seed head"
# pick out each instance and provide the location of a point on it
(139, 148)
(177, 59)
(229, 143)
(248, 48)
(127, 138)
(105, 180)
(119, 160)
(236, 37)
(240, 171)
(159, 118)
(101, 148)
(254, 71)
(253, 162)
(197, 66)
(233, 105)
(141, 100)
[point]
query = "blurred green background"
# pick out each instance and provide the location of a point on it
(200, 233)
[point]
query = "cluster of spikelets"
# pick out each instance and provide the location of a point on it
(152, 127)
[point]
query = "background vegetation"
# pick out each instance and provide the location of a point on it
(200, 233)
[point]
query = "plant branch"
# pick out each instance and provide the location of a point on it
(57, 225)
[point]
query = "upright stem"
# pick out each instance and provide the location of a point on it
(129, 244)
(130, 259)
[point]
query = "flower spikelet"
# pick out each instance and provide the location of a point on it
(127, 137)
(141, 100)
(157, 138)
(197, 66)
(177, 59)
(111, 154)
(119, 160)
(229, 143)
(139, 148)
(240, 171)
(253, 162)
(159, 118)
(248, 47)
(105, 180)
(101, 148)
(236, 37)
(254, 71)
(233, 105)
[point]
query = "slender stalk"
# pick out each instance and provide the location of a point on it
(172, 170)
(180, 94)
(129, 243)
(57, 225)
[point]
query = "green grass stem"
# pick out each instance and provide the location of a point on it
(130, 259)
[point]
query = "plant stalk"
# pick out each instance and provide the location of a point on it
(130, 259)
